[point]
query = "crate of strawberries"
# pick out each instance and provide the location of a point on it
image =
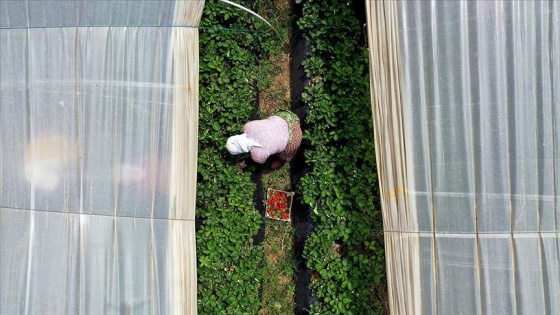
(279, 204)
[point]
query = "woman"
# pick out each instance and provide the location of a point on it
(278, 135)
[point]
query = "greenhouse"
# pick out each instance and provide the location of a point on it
(418, 170)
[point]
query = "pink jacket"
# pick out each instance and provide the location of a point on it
(271, 133)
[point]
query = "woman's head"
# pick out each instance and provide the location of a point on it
(240, 144)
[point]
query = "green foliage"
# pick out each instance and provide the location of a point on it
(229, 265)
(341, 191)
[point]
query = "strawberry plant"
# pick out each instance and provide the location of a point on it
(344, 251)
(229, 264)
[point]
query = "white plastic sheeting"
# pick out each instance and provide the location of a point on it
(466, 108)
(98, 141)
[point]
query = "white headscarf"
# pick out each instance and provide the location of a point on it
(241, 144)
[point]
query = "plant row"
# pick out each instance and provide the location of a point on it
(232, 47)
(344, 252)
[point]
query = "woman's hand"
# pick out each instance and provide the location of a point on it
(241, 165)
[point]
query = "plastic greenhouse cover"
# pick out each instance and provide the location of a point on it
(466, 112)
(98, 141)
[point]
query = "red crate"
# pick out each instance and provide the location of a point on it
(279, 204)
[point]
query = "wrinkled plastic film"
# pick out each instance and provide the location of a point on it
(98, 138)
(465, 113)
(401, 249)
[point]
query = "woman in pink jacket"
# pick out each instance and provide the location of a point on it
(278, 135)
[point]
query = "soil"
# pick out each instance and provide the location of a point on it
(288, 82)
(276, 95)
(272, 257)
